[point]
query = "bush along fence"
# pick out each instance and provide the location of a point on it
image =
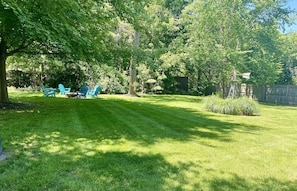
(276, 94)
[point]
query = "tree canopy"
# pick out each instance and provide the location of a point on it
(201, 40)
(219, 36)
(73, 30)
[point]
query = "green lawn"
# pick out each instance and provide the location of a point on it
(152, 143)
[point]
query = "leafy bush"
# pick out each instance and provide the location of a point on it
(19, 79)
(112, 81)
(71, 76)
(240, 106)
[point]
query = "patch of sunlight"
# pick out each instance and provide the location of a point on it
(90, 153)
(103, 148)
(23, 111)
(29, 142)
(182, 104)
(53, 135)
(81, 139)
(56, 143)
(171, 182)
(78, 148)
(53, 148)
(189, 176)
(27, 146)
(181, 150)
(122, 145)
(57, 148)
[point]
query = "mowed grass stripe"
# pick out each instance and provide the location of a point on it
(134, 123)
(179, 123)
(151, 143)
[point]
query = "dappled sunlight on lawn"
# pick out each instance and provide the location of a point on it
(145, 144)
(123, 163)
(107, 164)
(59, 144)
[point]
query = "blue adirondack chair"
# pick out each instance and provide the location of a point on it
(48, 91)
(83, 91)
(95, 91)
(63, 90)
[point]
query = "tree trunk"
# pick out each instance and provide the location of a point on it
(3, 84)
(199, 84)
(133, 66)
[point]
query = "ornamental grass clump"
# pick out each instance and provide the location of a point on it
(247, 106)
(213, 103)
(239, 106)
(230, 107)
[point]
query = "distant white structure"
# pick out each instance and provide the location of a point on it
(233, 86)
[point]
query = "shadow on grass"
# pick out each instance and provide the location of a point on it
(148, 123)
(57, 162)
(75, 144)
(99, 171)
(242, 184)
(54, 162)
(175, 98)
(115, 119)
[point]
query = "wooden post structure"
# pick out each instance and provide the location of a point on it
(233, 87)
(234, 83)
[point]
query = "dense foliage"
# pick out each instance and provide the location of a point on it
(70, 31)
(107, 41)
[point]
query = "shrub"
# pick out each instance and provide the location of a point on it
(247, 106)
(240, 106)
(19, 79)
(229, 106)
(212, 103)
(71, 76)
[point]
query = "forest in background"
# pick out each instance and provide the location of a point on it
(147, 46)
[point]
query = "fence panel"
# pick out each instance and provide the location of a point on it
(278, 94)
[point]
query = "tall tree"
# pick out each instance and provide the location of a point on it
(57, 27)
(79, 30)
(289, 59)
(132, 68)
(161, 30)
(219, 36)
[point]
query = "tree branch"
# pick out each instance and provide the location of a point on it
(20, 48)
